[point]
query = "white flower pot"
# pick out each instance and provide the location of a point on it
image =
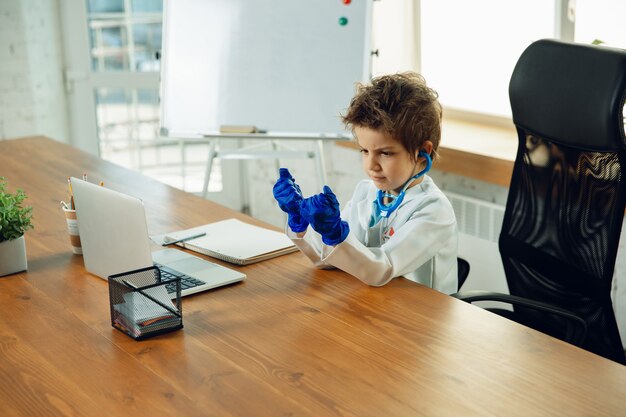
(12, 256)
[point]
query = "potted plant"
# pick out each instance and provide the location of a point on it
(14, 221)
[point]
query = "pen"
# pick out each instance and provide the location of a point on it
(184, 239)
(69, 184)
(148, 296)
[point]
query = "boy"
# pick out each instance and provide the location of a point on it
(398, 223)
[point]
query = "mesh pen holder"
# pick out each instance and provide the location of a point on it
(140, 303)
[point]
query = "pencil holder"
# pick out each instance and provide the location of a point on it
(141, 305)
(72, 229)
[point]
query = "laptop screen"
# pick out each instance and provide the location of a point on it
(113, 229)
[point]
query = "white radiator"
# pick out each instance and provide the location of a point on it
(479, 224)
(476, 217)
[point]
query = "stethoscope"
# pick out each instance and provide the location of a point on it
(381, 209)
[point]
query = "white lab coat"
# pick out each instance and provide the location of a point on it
(418, 241)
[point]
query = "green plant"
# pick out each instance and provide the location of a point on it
(14, 219)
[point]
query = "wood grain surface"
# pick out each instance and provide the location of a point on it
(290, 340)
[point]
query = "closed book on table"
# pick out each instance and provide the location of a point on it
(238, 129)
(235, 241)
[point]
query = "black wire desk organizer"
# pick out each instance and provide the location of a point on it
(141, 306)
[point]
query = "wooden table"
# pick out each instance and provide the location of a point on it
(289, 341)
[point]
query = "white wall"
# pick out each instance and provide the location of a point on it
(32, 96)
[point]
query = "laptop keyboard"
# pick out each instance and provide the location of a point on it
(185, 280)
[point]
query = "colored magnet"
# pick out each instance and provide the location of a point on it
(343, 20)
(346, 2)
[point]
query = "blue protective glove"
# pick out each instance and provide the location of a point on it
(322, 211)
(289, 198)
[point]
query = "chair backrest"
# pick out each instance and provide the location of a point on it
(463, 268)
(566, 201)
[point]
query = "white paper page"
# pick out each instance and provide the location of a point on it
(235, 238)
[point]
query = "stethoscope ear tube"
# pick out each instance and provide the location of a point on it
(429, 163)
(386, 209)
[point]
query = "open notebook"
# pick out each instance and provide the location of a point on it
(235, 241)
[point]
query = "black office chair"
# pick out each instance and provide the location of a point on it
(463, 268)
(567, 196)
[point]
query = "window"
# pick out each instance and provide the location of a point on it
(114, 95)
(603, 20)
(125, 35)
(127, 118)
(467, 50)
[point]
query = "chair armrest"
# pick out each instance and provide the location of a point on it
(575, 336)
(479, 295)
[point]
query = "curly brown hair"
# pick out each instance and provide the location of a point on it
(401, 105)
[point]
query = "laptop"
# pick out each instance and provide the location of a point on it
(114, 238)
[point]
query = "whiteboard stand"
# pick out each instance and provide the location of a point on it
(278, 150)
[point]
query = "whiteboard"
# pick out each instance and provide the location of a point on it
(279, 65)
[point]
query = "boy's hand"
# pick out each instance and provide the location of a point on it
(322, 211)
(289, 197)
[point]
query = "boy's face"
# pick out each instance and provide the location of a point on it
(385, 160)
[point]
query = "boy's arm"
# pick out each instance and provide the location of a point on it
(310, 244)
(416, 242)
